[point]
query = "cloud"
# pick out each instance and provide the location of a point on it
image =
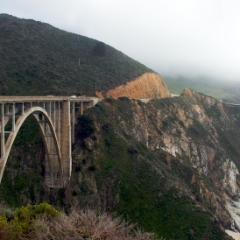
(186, 37)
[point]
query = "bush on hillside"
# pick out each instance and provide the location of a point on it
(44, 222)
(99, 49)
(84, 127)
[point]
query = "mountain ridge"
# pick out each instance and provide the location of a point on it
(38, 59)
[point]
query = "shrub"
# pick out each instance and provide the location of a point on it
(45, 208)
(40, 222)
(99, 49)
(84, 127)
(92, 168)
(5, 229)
(132, 150)
(84, 187)
(24, 216)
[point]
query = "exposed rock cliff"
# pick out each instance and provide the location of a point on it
(171, 163)
(203, 133)
(148, 85)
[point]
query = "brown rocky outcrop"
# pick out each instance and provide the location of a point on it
(148, 85)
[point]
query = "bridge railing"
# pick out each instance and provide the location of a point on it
(45, 98)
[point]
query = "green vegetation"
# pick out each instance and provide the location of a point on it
(84, 127)
(99, 49)
(21, 224)
(25, 160)
(125, 169)
(119, 174)
(57, 62)
(44, 222)
(112, 171)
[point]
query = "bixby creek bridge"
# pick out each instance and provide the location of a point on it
(55, 116)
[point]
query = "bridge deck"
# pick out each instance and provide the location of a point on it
(45, 98)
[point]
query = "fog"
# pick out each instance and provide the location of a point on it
(175, 37)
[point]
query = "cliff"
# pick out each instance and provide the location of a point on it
(148, 85)
(171, 161)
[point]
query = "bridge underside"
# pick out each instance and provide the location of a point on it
(56, 120)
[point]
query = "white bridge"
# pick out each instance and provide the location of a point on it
(55, 116)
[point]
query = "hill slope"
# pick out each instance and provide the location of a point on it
(38, 59)
(170, 165)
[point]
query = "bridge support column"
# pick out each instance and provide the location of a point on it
(73, 122)
(54, 116)
(22, 109)
(13, 117)
(66, 141)
(81, 107)
(2, 133)
(50, 138)
(59, 124)
(7, 109)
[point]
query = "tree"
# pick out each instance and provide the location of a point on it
(84, 127)
(99, 49)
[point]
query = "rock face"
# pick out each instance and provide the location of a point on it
(148, 85)
(170, 156)
(200, 132)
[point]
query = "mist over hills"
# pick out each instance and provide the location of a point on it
(227, 91)
(38, 59)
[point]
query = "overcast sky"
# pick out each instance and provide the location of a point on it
(173, 37)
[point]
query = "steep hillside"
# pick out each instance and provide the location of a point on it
(38, 59)
(170, 165)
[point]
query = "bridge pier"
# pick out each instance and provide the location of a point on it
(66, 152)
(73, 122)
(2, 132)
(13, 117)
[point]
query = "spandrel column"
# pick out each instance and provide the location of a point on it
(13, 117)
(2, 132)
(73, 122)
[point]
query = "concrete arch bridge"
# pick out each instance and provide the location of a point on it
(55, 116)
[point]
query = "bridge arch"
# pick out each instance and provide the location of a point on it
(35, 111)
(56, 128)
